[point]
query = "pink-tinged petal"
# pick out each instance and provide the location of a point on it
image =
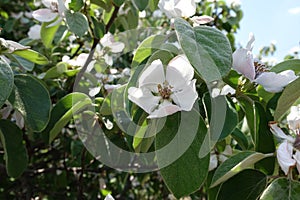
(165, 108)
(182, 65)
(273, 82)
(279, 133)
(48, 3)
(153, 74)
(200, 20)
(284, 156)
(143, 98)
(186, 97)
(250, 43)
(296, 156)
(44, 15)
(243, 63)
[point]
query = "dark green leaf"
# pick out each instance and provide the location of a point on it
(99, 28)
(118, 2)
(287, 65)
(141, 4)
(246, 185)
(76, 5)
(16, 158)
(207, 49)
(289, 96)
(177, 147)
(32, 100)
(153, 5)
(6, 81)
(282, 188)
(77, 23)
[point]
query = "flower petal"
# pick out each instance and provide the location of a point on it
(243, 63)
(213, 162)
(44, 15)
(251, 40)
(182, 65)
(279, 133)
(109, 197)
(143, 98)
(186, 97)
(165, 108)
(293, 118)
(284, 156)
(273, 82)
(117, 47)
(186, 8)
(153, 74)
(34, 32)
(199, 20)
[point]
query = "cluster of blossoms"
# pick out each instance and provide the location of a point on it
(288, 152)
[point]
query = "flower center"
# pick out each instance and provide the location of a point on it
(54, 6)
(165, 90)
(259, 68)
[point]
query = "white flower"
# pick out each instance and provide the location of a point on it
(161, 93)
(215, 158)
(55, 9)
(109, 197)
(273, 82)
(244, 63)
(177, 8)
(285, 156)
(79, 61)
(108, 41)
(34, 32)
(200, 20)
(293, 119)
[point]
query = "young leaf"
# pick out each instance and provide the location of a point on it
(32, 100)
(246, 185)
(282, 188)
(6, 81)
(235, 164)
(289, 96)
(48, 33)
(177, 148)
(63, 112)
(77, 23)
(16, 157)
(32, 56)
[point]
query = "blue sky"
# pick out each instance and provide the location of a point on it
(271, 20)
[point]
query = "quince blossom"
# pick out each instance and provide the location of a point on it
(178, 8)
(55, 9)
(244, 63)
(109, 197)
(288, 154)
(161, 93)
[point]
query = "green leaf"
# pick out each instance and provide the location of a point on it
(6, 81)
(118, 2)
(247, 185)
(56, 71)
(76, 5)
(236, 164)
(287, 65)
(207, 49)
(32, 100)
(27, 65)
(153, 5)
(282, 188)
(99, 28)
(32, 56)
(241, 139)
(77, 23)
(177, 146)
(48, 33)
(141, 4)
(63, 112)
(16, 158)
(289, 96)
(147, 48)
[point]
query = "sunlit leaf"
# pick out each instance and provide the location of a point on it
(6, 81)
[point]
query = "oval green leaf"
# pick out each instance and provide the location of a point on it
(32, 100)
(32, 56)
(15, 153)
(287, 65)
(77, 23)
